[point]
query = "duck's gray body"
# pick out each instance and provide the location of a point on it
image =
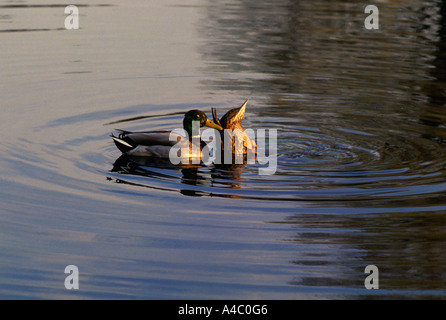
(150, 143)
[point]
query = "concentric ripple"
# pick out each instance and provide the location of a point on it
(334, 161)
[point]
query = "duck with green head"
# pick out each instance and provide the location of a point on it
(159, 143)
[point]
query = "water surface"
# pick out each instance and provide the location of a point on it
(361, 150)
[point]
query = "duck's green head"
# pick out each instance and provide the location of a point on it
(197, 115)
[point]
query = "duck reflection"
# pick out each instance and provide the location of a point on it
(197, 180)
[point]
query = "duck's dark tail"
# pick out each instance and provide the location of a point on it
(215, 116)
(123, 143)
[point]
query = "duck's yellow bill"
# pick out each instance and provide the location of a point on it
(211, 124)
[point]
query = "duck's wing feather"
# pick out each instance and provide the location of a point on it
(215, 116)
(150, 138)
(145, 143)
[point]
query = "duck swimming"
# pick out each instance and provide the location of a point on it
(159, 143)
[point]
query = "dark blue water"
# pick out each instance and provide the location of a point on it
(360, 177)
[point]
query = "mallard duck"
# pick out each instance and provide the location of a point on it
(158, 143)
(233, 120)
